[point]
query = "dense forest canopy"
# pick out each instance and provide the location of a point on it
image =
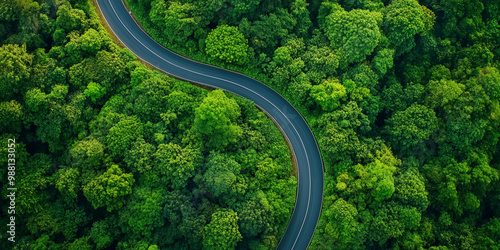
(112, 155)
(403, 97)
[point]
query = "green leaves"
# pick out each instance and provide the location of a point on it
(409, 128)
(404, 19)
(383, 61)
(343, 226)
(254, 216)
(220, 177)
(490, 79)
(91, 41)
(179, 20)
(68, 18)
(440, 93)
(329, 94)
(122, 134)
(410, 189)
(144, 211)
(222, 231)
(227, 44)
(94, 91)
(356, 32)
(32, 178)
(10, 116)
(15, 65)
(176, 164)
(109, 189)
(68, 182)
(87, 154)
(215, 119)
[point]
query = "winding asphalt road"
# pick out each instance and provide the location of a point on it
(310, 166)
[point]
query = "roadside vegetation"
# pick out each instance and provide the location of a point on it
(402, 95)
(113, 155)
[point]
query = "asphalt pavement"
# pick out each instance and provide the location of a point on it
(309, 198)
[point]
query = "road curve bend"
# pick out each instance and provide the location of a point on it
(309, 198)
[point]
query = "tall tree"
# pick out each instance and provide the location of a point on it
(216, 117)
(15, 63)
(222, 231)
(109, 189)
(227, 44)
(176, 164)
(122, 134)
(356, 32)
(405, 19)
(221, 175)
(329, 94)
(411, 127)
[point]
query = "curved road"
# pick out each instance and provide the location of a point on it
(310, 166)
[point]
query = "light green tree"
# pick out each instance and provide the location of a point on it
(216, 117)
(179, 20)
(122, 134)
(490, 79)
(343, 227)
(442, 92)
(68, 18)
(68, 183)
(222, 231)
(227, 44)
(329, 94)
(410, 189)
(94, 91)
(175, 164)
(383, 61)
(91, 41)
(109, 189)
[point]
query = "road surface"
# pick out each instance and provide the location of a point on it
(309, 197)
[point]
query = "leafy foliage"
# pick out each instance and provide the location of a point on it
(109, 189)
(215, 118)
(222, 231)
(226, 43)
(111, 154)
(403, 97)
(356, 32)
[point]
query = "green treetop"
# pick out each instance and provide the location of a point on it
(109, 189)
(356, 32)
(222, 232)
(227, 44)
(215, 118)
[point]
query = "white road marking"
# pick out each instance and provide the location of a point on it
(234, 83)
